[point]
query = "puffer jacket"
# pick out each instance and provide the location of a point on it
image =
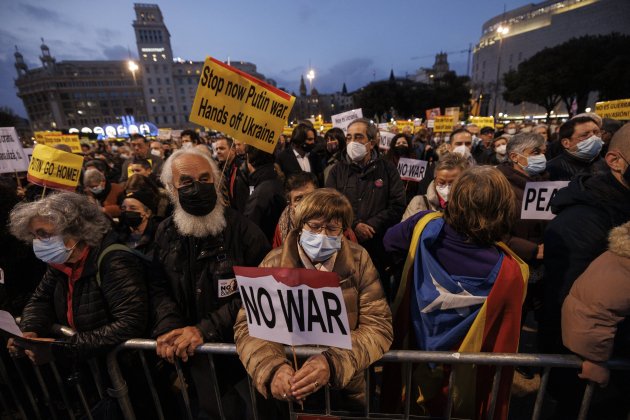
(430, 201)
(369, 317)
(104, 315)
(596, 313)
(188, 272)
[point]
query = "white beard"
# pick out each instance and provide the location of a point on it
(211, 224)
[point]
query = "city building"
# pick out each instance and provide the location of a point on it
(308, 105)
(438, 70)
(512, 37)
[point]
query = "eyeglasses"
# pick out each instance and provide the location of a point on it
(331, 230)
(42, 235)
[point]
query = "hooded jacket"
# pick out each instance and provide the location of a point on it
(428, 202)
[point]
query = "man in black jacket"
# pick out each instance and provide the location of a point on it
(374, 189)
(235, 186)
(299, 156)
(193, 290)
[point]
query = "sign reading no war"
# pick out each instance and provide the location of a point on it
(537, 199)
(412, 169)
(54, 168)
(294, 306)
(239, 105)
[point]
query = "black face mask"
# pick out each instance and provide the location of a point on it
(401, 150)
(133, 219)
(307, 147)
(198, 198)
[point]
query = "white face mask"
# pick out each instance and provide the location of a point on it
(187, 145)
(511, 131)
(443, 191)
(156, 152)
(462, 151)
(356, 151)
(501, 149)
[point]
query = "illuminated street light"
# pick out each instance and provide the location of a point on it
(133, 67)
(501, 31)
(310, 76)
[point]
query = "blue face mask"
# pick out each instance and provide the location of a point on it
(52, 250)
(535, 164)
(588, 149)
(319, 247)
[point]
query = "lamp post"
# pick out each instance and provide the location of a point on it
(501, 30)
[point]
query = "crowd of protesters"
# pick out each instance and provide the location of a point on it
(144, 244)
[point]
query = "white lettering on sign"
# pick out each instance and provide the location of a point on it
(537, 199)
(412, 169)
(294, 315)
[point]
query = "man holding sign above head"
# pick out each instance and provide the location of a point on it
(317, 243)
(193, 289)
(141, 149)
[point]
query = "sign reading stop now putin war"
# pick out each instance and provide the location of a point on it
(240, 105)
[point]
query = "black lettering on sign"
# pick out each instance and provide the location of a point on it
(531, 196)
(293, 307)
(271, 321)
(553, 194)
(210, 80)
(314, 314)
(250, 305)
(333, 312)
(541, 198)
(235, 90)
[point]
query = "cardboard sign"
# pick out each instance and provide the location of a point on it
(617, 110)
(412, 169)
(537, 197)
(12, 155)
(432, 113)
(482, 122)
(294, 306)
(164, 134)
(345, 118)
(54, 168)
(452, 112)
(443, 124)
(241, 106)
(386, 139)
(51, 139)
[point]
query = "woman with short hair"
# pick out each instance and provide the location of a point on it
(96, 290)
(317, 243)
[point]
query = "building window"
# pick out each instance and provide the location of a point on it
(157, 119)
(185, 108)
(149, 81)
(167, 80)
(158, 80)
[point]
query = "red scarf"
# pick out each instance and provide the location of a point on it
(73, 271)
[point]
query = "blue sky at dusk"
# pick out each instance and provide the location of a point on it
(347, 41)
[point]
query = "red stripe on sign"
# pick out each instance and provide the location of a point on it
(252, 79)
(292, 276)
(49, 184)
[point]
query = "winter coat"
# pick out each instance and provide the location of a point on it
(429, 201)
(290, 166)
(369, 317)
(110, 198)
(565, 166)
(264, 206)
(596, 313)
(185, 288)
(104, 315)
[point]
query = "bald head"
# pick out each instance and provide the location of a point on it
(621, 141)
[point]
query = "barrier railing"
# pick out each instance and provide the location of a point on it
(119, 390)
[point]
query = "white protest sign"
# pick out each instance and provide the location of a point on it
(7, 323)
(294, 306)
(430, 123)
(342, 120)
(12, 156)
(537, 197)
(412, 169)
(386, 138)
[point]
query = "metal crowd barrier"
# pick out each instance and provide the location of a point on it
(78, 405)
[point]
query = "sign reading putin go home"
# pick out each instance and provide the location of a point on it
(294, 306)
(240, 105)
(54, 168)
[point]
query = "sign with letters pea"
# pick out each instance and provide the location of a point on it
(294, 306)
(537, 198)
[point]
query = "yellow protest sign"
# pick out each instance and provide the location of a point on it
(54, 168)
(617, 110)
(239, 105)
(482, 122)
(444, 124)
(287, 130)
(53, 138)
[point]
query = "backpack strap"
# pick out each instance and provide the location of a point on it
(116, 247)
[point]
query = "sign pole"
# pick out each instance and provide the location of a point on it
(43, 192)
(296, 369)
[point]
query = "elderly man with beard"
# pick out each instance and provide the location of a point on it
(193, 291)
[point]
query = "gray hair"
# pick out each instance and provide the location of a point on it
(372, 130)
(93, 176)
(521, 141)
(72, 214)
(167, 171)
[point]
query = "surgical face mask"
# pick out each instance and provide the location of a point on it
(444, 191)
(319, 247)
(462, 151)
(156, 152)
(52, 250)
(501, 149)
(588, 149)
(535, 164)
(356, 151)
(511, 131)
(187, 145)
(97, 190)
(125, 155)
(197, 198)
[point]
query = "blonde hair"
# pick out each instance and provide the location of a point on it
(325, 203)
(482, 205)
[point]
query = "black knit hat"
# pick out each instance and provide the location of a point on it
(146, 197)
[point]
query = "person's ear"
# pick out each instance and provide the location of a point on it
(615, 162)
(566, 143)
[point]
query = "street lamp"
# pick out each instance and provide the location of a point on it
(133, 67)
(310, 76)
(501, 31)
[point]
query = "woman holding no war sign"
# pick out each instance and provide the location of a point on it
(318, 243)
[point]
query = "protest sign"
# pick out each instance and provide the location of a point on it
(430, 123)
(412, 169)
(537, 197)
(432, 113)
(443, 124)
(164, 134)
(452, 112)
(345, 118)
(294, 306)
(12, 155)
(482, 122)
(54, 168)
(54, 138)
(386, 138)
(617, 110)
(239, 105)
